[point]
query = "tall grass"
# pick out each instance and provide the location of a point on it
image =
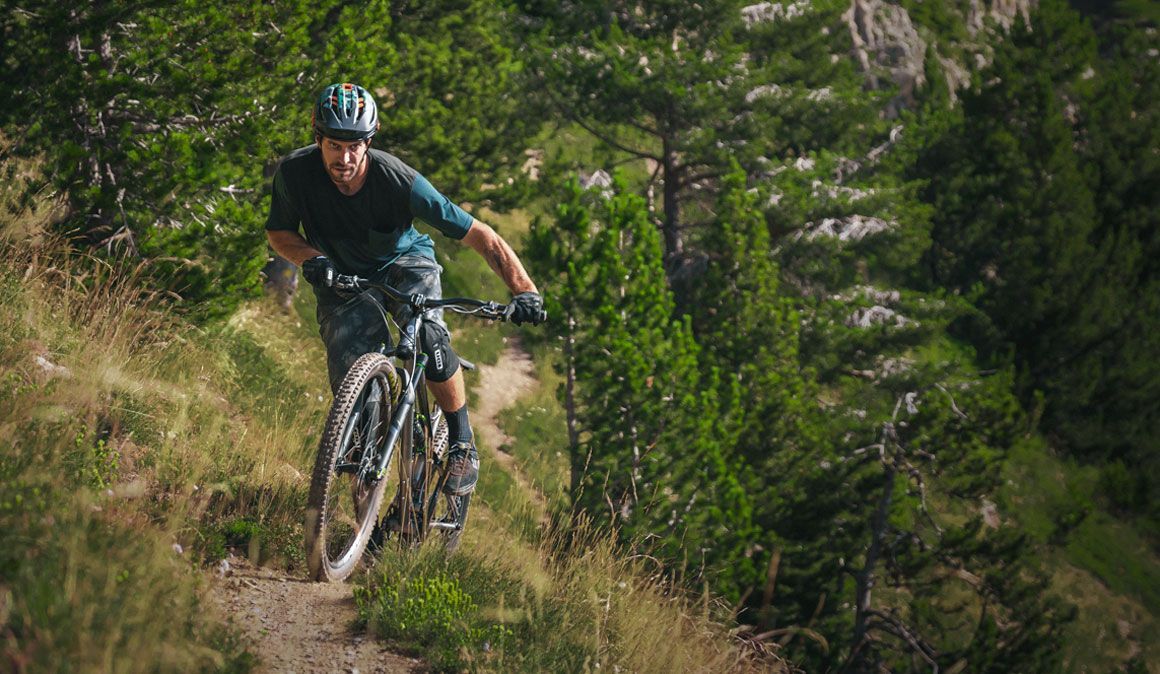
(572, 603)
(134, 449)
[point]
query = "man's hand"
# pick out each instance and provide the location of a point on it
(319, 271)
(527, 308)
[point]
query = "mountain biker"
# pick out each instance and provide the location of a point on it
(355, 207)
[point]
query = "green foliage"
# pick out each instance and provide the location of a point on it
(1045, 203)
(572, 602)
(119, 465)
(171, 113)
(431, 613)
(141, 140)
(456, 104)
(691, 88)
(81, 587)
(1118, 556)
(647, 437)
(816, 428)
(45, 632)
(1013, 214)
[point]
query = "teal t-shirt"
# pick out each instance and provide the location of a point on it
(364, 232)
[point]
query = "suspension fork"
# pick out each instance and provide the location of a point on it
(401, 416)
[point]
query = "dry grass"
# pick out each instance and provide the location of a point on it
(571, 602)
(131, 444)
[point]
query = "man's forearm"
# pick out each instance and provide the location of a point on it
(500, 257)
(291, 246)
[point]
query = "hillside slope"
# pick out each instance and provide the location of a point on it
(144, 459)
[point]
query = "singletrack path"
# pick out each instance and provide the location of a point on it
(296, 625)
(499, 387)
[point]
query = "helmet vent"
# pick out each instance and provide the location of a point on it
(346, 111)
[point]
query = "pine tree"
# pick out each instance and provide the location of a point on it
(690, 87)
(649, 445)
(455, 100)
(1045, 194)
(132, 107)
(746, 327)
(1106, 398)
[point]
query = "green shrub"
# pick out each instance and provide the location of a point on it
(431, 612)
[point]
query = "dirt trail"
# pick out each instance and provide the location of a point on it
(300, 626)
(297, 625)
(499, 387)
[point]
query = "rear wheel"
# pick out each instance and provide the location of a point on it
(449, 517)
(345, 494)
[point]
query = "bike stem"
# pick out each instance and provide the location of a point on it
(400, 417)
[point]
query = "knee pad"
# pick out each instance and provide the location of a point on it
(442, 362)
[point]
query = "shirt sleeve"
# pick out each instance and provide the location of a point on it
(431, 207)
(283, 215)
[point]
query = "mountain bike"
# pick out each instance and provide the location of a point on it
(383, 411)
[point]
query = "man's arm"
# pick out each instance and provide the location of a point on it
(291, 245)
(500, 257)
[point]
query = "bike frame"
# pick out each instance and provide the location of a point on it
(414, 363)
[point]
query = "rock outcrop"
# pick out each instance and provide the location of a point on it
(890, 49)
(886, 44)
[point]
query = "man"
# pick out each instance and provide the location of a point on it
(355, 206)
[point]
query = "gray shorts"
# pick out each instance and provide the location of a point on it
(352, 326)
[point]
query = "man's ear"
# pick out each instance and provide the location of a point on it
(318, 139)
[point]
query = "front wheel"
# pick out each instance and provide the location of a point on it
(345, 493)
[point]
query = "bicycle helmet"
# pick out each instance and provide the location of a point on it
(345, 111)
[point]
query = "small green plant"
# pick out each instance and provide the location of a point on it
(429, 611)
(95, 464)
(274, 542)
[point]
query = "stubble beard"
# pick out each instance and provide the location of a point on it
(343, 176)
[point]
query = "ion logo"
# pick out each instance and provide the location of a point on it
(438, 359)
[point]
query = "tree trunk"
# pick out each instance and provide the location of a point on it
(672, 184)
(865, 578)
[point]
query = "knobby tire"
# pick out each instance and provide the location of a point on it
(337, 532)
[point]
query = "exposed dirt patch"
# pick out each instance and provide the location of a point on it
(300, 626)
(499, 387)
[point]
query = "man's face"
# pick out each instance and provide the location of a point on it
(344, 159)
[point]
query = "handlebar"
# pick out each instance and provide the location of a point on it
(462, 305)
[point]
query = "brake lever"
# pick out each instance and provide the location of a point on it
(495, 311)
(342, 282)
